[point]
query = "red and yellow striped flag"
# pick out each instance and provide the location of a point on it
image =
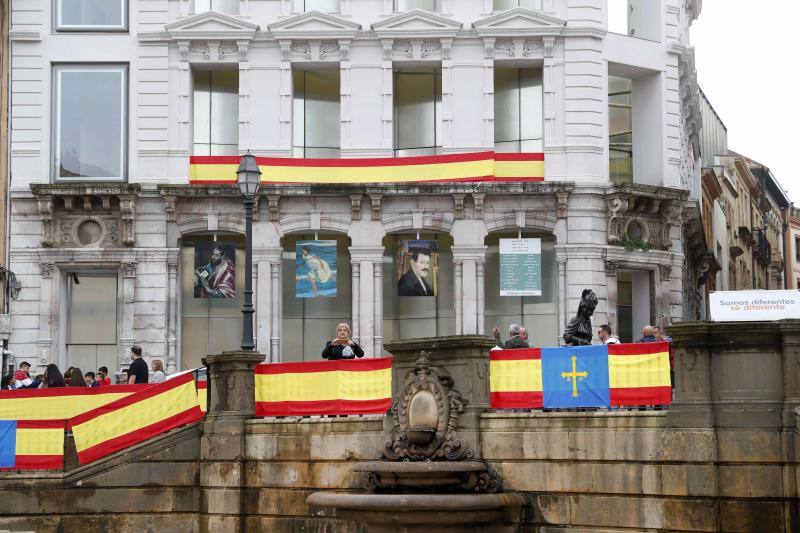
(59, 403)
(472, 167)
(344, 387)
(34, 444)
(136, 418)
(515, 378)
(639, 374)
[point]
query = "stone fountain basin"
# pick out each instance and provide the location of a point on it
(386, 512)
(420, 474)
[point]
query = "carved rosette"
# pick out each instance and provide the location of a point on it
(427, 381)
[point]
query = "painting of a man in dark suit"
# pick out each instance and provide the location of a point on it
(418, 260)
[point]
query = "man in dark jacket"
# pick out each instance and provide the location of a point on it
(414, 282)
(515, 339)
(647, 335)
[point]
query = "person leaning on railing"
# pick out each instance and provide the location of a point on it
(342, 347)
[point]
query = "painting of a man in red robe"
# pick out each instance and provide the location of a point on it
(217, 277)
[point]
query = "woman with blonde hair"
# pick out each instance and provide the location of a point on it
(342, 347)
(158, 375)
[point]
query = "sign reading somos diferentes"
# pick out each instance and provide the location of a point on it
(520, 267)
(737, 306)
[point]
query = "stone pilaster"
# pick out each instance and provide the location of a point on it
(223, 444)
(263, 261)
(127, 337)
(172, 311)
(370, 311)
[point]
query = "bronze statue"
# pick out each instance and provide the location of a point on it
(579, 329)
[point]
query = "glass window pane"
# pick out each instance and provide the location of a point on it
(216, 112)
(92, 309)
(102, 14)
(231, 7)
(326, 6)
(225, 107)
(308, 323)
(530, 107)
(407, 5)
(537, 313)
(90, 122)
(531, 4)
(322, 109)
(209, 325)
(407, 318)
(506, 104)
(416, 98)
(201, 102)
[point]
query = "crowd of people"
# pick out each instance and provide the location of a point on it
(136, 373)
(518, 336)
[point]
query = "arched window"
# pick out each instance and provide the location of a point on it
(538, 314)
(311, 313)
(409, 317)
(211, 323)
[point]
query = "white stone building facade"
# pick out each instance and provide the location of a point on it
(107, 109)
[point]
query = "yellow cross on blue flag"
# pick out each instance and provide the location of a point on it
(575, 376)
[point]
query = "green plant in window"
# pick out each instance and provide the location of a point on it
(635, 244)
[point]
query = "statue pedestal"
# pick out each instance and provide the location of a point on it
(465, 358)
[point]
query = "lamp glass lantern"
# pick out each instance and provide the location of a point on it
(248, 176)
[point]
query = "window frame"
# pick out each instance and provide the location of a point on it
(306, 10)
(438, 7)
(520, 139)
(192, 142)
(196, 11)
(62, 28)
(517, 2)
(55, 121)
(438, 131)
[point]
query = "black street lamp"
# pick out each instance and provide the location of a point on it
(248, 177)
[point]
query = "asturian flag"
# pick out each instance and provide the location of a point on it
(581, 376)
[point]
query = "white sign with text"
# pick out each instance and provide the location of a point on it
(741, 306)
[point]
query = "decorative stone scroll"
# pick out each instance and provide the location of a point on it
(656, 210)
(426, 415)
(87, 215)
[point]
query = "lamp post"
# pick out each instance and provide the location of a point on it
(248, 177)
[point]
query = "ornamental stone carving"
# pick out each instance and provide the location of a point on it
(403, 48)
(328, 49)
(87, 215)
(504, 47)
(431, 47)
(654, 211)
(532, 46)
(300, 49)
(426, 415)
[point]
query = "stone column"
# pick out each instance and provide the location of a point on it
(370, 312)
(377, 279)
(481, 296)
(611, 292)
(223, 444)
(45, 339)
(128, 297)
(355, 301)
(172, 311)
(457, 291)
(275, 315)
(263, 259)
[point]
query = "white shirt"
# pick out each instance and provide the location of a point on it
(612, 340)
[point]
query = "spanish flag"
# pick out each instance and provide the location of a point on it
(136, 418)
(581, 376)
(32, 444)
(344, 387)
(470, 167)
(515, 378)
(59, 403)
